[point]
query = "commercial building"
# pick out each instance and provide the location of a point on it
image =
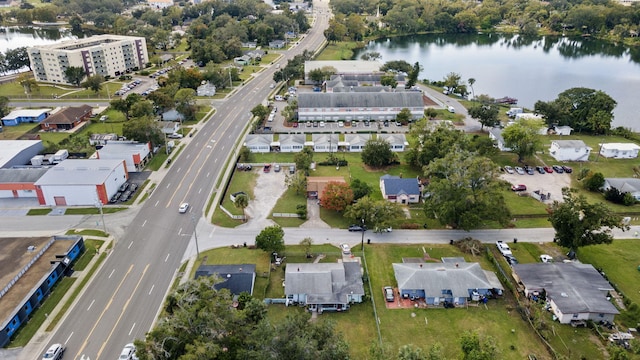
(19, 183)
(106, 55)
(135, 154)
(22, 116)
(18, 152)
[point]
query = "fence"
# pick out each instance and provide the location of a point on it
(229, 214)
(285, 215)
(15, 279)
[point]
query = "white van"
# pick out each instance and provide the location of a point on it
(451, 109)
(271, 117)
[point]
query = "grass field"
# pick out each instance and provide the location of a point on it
(39, 211)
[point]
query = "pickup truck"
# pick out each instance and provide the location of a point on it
(503, 248)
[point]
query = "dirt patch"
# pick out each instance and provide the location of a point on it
(548, 184)
(269, 188)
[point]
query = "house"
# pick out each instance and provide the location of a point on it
(236, 278)
(291, 142)
(399, 190)
(67, 118)
(450, 282)
(569, 150)
(249, 44)
(206, 89)
(350, 106)
(135, 154)
(242, 60)
(630, 185)
(325, 142)
(258, 143)
(169, 127)
(25, 116)
(316, 185)
(562, 130)
(619, 150)
(397, 142)
(172, 115)
(356, 142)
(495, 134)
(160, 4)
(101, 139)
(324, 286)
(277, 44)
(256, 54)
(574, 291)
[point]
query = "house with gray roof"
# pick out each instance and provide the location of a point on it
(325, 142)
(324, 286)
(259, 143)
(630, 185)
(290, 142)
(277, 44)
(172, 115)
(356, 142)
(569, 150)
(236, 278)
(397, 142)
(495, 134)
(399, 190)
(574, 291)
(352, 106)
(206, 89)
(447, 282)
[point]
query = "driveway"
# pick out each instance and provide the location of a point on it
(547, 183)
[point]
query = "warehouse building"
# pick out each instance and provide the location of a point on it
(18, 152)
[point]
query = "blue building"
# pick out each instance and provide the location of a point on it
(25, 116)
(29, 283)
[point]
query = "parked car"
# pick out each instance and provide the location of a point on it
(540, 170)
(183, 208)
(558, 169)
(124, 187)
(548, 169)
(346, 250)
(114, 198)
(340, 124)
(567, 169)
(292, 169)
(519, 170)
(529, 170)
(508, 169)
(266, 168)
(133, 187)
(309, 124)
(355, 227)
(519, 187)
(295, 124)
(546, 258)
(384, 229)
(511, 260)
(321, 123)
(276, 168)
(127, 352)
(503, 248)
(125, 196)
(388, 294)
(55, 352)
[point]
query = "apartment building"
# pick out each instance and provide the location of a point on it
(106, 55)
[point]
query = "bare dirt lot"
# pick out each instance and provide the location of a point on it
(547, 183)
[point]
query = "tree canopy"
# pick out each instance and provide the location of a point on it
(271, 239)
(487, 114)
(523, 137)
(336, 196)
(376, 213)
(74, 75)
(377, 153)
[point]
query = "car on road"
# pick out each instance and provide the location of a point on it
(558, 169)
(546, 258)
(519, 170)
(276, 167)
(127, 352)
(519, 187)
(388, 294)
(508, 169)
(567, 169)
(540, 170)
(54, 352)
(355, 227)
(183, 208)
(272, 86)
(266, 168)
(387, 229)
(548, 169)
(346, 250)
(503, 248)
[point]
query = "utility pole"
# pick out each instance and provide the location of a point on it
(195, 235)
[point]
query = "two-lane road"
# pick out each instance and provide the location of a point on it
(122, 301)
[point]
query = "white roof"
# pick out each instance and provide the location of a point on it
(570, 144)
(345, 66)
(25, 113)
(79, 172)
(620, 146)
(11, 148)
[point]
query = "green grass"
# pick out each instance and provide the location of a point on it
(40, 211)
(88, 232)
(91, 249)
(240, 181)
(15, 132)
(15, 90)
(523, 205)
(157, 160)
(338, 51)
(93, 210)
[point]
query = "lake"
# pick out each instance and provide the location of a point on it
(15, 37)
(526, 69)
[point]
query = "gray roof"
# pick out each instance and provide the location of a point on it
(394, 185)
(393, 139)
(364, 77)
(360, 89)
(357, 139)
(573, 287)
(26, 175)
(292, 139)
(630, 185)
(258, 139)
(79, 172)
(236, 278)
(497, 134)
(364, 100)
(323, 139)
(570, 144)
(324, 283)
(433, 278)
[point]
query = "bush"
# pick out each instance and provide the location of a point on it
(594, 182)
(301, 210)
(615, 196)
(409, 226)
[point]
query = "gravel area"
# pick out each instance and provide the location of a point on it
(269, 187)
(546, 183)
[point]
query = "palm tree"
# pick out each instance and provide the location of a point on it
(472, 81)
(242, 201)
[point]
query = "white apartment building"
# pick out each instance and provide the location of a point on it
(106, 55)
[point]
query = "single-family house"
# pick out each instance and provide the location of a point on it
(358, 106)
(259, 143)
(291, 142)
(562, 130)
(495, 134)
(450, 282)
(25, 116)
(619, 150)
(569, 150)
(316, 185)
(356, 142)
(325, 142)
(242, 60)
(236, 278)
(324, 286)
(630, 185)
(397, 142)
(399, 190)
(101, 139)
(277, 44)
(249, 44)
(256, 54)
(135, 154)
(67, 118)
(206, 89)
(172, 115)
(169, 127)
(574, 291)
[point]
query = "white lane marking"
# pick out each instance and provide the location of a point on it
(179, 169)
(180, 231)
(211, 233)
(131, 243)
(188, 156)
(213, 141)
(209, 146)
(208, 174)
(198, 143)
(112, 271)
(144, 223)
(152, 287)
(216, 160)
(199, 191)
(90, 305)
(130, 331)
(168, 185)
(157, 202)
(221, 150)
(70, 335)
(167, 258)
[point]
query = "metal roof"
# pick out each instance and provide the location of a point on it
(9, 149)
(79, 172)
(404, 99)
(394, 185)
(570, 144)
(344, 66)
(25, 113)
(21, 175)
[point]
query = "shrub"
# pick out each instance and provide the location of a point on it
(594, 182)
(409, 226)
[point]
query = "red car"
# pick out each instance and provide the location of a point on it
(548, 169)
(266, 168)
(519, 187)
(295, 125)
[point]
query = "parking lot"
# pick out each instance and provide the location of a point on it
(550, 184)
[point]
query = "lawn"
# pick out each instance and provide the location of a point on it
(39, 211)
(240, 181)
(88, 232)
(15, 90)
(338, 51)
(91, 249)
(15, 132)
(92, 210)
(288, 203)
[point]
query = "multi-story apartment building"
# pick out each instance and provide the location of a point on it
(106, 55)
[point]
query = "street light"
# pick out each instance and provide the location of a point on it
(99, 206)
(362, 240)
(195, 235)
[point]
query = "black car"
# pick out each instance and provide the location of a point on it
(558, 169)
(124, 187)
(355, 227)
(567, 169)
(529, 170)
(114, 198)
(133, 187)
(540, 169)
(125, 196)
(511, 260)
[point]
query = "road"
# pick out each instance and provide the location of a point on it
(124, 298)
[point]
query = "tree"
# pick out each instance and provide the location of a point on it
(433, 144)
(594, 182)
(523, 137)
(94, 83)
(471, 82)
(360, 189)
(377, 153)
(389, 80)
(74, 75)
(397, 66)
(4, 106)
(412, 76)
(306, 244)
(271, 239)
(241, 202)
(185, 103)
(297, 182)
(452, 81)
(579, 223)
(371, 56)
(245, 154)
(29, 84)
(17, 58)
(465, 191)
(260, 111)
(143, 129)
(404, 116)
(303, 159)
(475, 348)
(336, 196)
(487, 114)
(141, 108)
(375, 213)
(436, 352)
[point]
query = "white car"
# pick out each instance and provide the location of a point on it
(503, 248)
(127, 352)
(340, 124)
(55, 352)
(346, 250)
(546, 258)
(508, 169)
(183, 208)
(321, 123)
